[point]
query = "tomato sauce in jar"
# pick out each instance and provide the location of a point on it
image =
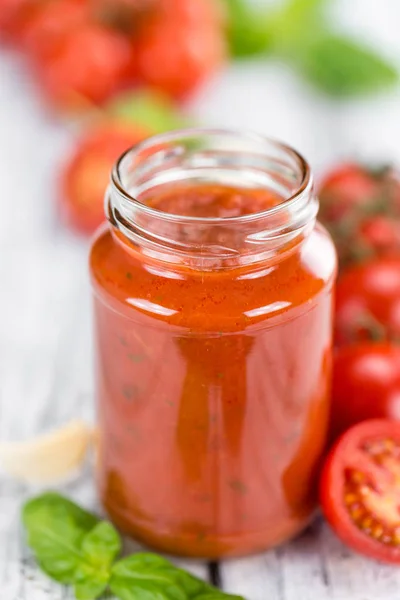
(213, 316)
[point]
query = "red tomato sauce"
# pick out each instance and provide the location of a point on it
(212, 385)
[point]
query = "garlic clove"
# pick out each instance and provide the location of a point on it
(48, 458)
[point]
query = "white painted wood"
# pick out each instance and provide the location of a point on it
(45, 347)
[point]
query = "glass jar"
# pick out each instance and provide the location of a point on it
(213, 316)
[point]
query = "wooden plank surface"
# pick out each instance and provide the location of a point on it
(45, 341)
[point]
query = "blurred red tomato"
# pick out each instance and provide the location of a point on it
(368, 302)
(13, 14)
(44, 28)
(87, 66)
(345, 188)
(181, 46)
(86, 175)
(361, 209)
(366, 385)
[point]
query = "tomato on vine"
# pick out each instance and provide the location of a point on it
(43, 29)
(87, 66)
(180, 46)
(368, 302)
(365, 385)
(361, 209)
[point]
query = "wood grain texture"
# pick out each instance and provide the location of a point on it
(45, 341)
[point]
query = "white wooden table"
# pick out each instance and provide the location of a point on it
(45, 341)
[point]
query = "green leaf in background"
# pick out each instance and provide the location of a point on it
(99, 549)
(249, 33)
(151, 110)
(55, 529)
(343, 67)
(294, 22)
(146, 576)
(300, 32)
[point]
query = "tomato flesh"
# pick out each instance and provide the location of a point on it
(360, 489)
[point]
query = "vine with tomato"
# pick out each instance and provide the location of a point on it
(360, 206)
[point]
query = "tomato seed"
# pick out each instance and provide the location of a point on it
(357, 477)
(356, 513)
(350, 499)
(377, 531)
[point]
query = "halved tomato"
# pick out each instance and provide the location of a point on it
(360, 489)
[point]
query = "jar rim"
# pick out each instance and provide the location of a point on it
(305, 184)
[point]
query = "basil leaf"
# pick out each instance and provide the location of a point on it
(90, 583)
(192, 586)
(146, 576)
(293, 24)
(102, 545)
(99, 549)
(74, 547)
(343, 67)
(55, 530)
(249, 32)
(153, 111)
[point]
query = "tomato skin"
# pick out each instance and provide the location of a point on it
(13, 14)
(88, 66)
(86, 174)
(43, 29)
(368, 302)
(345, 187)
(361, 209)
(180, 47)
(366, 385)
(344, 454)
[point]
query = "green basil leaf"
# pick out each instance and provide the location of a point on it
(192, 586)
(249, 32)
(153, 111)
(99, 549)
(102, 545)
(90, 583)
(146, 576)
(294, 22)
(74, 547)
(55, 530)
(343, 67)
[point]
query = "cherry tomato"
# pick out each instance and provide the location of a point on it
(13, 14)
(87, 172)
(361, 209)
(181, 46)
(368, 302)
(42, 30)
(360, 489)
(88, 66)
(382, 233)
(366, 385)
(345, 187)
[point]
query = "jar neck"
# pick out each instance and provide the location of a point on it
(203, 157)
